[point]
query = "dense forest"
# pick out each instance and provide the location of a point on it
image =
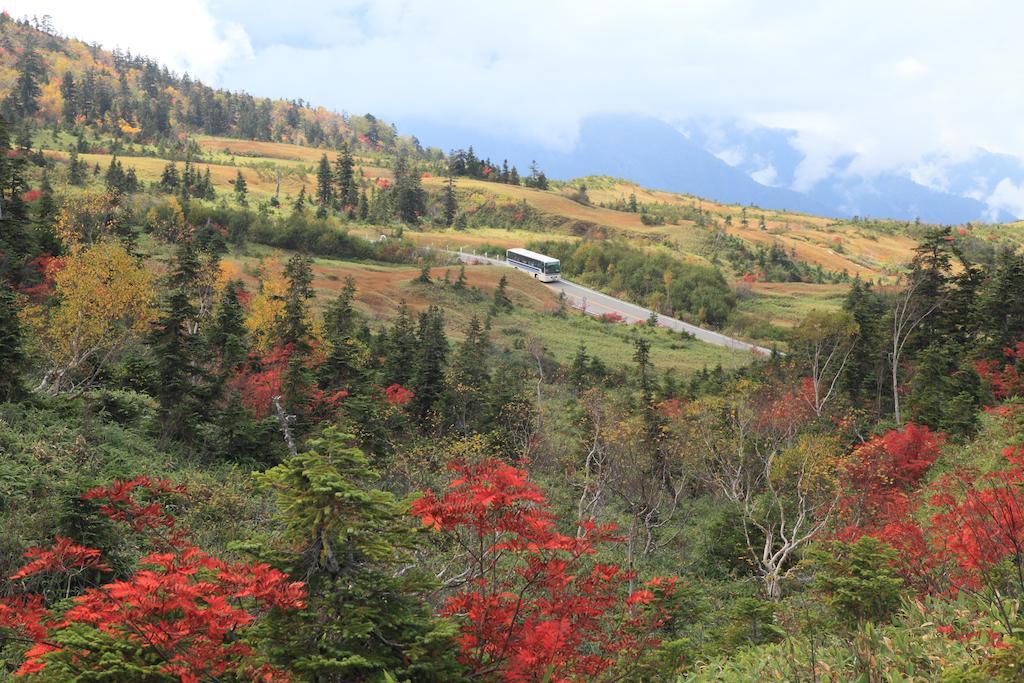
(209, 473)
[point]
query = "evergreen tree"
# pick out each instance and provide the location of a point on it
(46, 211)
(176, 349)
(206, 190)
(16, 242)
(23, 101)
(579, 369)
(410, 200)
(1000, 304)
(864, 371)
(295, 332)
(69, 108)
(300, 200)
(169, 179)
(344, 367)
(460, 281)
(428, 382)
(324, 187)
(424, 276)
(502, 302)
(632, 202)
(131, 181)
(241, 189)
(364, 206)
(77, 169)
(470, 377)
(368, 616)
(400, 349)
(450, 202)
(294, 321)
(12, 355)
(115, 177)
(347, 191)
(228, 336)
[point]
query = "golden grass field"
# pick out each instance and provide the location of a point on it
(834, 245)
(380, 288)
(817, 240)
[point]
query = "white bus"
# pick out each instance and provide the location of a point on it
(544, 268)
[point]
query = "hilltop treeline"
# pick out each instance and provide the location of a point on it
(62, 82)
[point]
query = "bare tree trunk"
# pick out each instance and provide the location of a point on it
(284, 420)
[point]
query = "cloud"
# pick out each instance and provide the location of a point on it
(1008, 196)
(883, 83)
(766, 176)
(184, 35)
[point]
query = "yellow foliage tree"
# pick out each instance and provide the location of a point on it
(89, 217)
(106, 301)
(167, 221)
(267, 306)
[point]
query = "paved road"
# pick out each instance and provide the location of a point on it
(595, 303)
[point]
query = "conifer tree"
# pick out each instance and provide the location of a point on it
(367, 615)
(115, 177)
(294, 323)
(47, 208)
(300, 200)
(364, 206)
(176, 350)
(633, 208)
(15, 240)
(228, 334)
(206, 186)
(400, 348)
(295, 332)
(12, 355)
(424, 276)
(451, 205)
(579, 369)
(470, 376)
(347, 191)
(460, 281)
(241, 189)
(428, 382)
(77, 169)
(502, 302)
(169, 178)
(324, 187)
(410, 200)
(69, 95)
(23, 101)
(343, 368)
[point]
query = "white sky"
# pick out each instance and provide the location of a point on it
(886, 80)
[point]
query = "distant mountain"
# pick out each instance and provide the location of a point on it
(726, 162)
(937, 191)
(647, 151)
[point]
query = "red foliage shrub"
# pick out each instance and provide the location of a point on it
(184, 609)
(397, 395)
(46, 268)
(1005, 381)
(31, 195)
(545, 611)
(611, 318)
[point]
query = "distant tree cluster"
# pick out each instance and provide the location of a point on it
(134, 97)
(466, 163)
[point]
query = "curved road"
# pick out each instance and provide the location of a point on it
(595, 303)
